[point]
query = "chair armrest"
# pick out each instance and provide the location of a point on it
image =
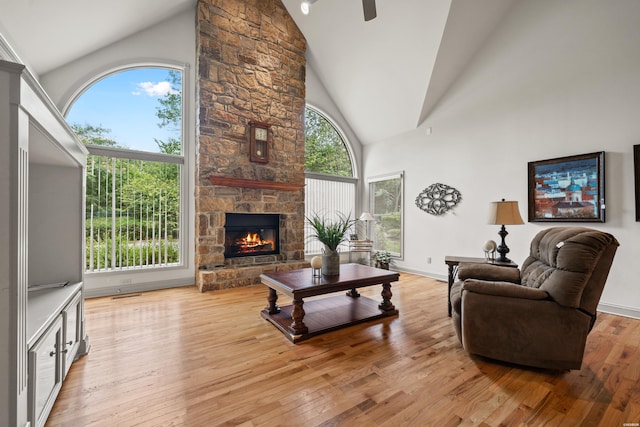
(504, 289)
(489, 272)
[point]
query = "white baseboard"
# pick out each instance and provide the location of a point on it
(619, 310)
(423, 273)
(137, 287)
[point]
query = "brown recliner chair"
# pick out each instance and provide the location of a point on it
(538, 315)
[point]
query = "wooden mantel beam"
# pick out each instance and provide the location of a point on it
(253, 183)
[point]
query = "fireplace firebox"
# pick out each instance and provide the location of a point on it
(251, 235)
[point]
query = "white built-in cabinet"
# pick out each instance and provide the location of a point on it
(42, 170)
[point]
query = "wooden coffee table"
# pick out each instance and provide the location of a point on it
(333, 312)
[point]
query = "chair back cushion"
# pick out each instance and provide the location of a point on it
(571, 264)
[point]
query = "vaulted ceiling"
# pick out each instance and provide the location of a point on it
(384, 75)
(48, 34)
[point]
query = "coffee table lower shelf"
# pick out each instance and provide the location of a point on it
(328, 314)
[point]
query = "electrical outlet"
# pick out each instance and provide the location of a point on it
(428, 260)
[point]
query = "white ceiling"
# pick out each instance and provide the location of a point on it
(377, 72)
(47, 34)
(384, 75)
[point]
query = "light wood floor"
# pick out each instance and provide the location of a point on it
(179, 357)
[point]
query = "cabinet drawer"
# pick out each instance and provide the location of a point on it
(45, 372)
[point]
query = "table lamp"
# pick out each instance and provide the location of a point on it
(504, 213)
(366, 217)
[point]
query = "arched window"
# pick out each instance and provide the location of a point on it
(324, 147)
(329, 173)
(131, 123)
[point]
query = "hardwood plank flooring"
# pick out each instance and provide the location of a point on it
(178, 357)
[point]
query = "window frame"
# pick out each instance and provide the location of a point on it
(387, 177)
(152, 277)
(345, 142)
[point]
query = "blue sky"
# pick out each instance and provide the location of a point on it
(126, 104)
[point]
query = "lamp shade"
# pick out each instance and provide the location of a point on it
(366, 216)
(505, 213)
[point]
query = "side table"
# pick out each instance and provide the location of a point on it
(360, 247)
(454, 263)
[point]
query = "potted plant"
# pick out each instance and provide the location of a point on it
(331, 234)
(382, 258)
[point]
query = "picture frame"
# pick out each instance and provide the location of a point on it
(568, 189)
(636, 175)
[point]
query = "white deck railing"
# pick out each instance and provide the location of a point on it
(132, 213)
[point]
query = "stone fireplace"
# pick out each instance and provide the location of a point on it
(251, 67)
(251, 235)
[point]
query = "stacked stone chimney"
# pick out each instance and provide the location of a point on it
(251, 66)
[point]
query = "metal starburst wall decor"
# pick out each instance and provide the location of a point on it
(438, 198)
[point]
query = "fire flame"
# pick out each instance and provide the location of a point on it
(253, 240)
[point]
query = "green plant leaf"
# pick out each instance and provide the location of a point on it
(331, 233)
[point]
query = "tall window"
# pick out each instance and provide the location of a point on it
(386, 202)
(131, 123)
(330, 184)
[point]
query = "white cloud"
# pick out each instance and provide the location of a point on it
(154, 89)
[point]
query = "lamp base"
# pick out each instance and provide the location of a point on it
(503, 249)
(502, 258)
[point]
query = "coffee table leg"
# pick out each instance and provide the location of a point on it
(297, 314)
(386, 298)
(272, 297)
(353, 293)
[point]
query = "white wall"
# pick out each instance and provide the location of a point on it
(171, 42)
(317, 97)
(555, 79)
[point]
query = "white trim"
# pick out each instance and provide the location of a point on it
(329, 177)
(386, 177)
(438, 277)
(138, 287)
(125, 153)
(619, 310)
(8, 53)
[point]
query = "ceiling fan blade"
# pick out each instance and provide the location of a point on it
(369, 7)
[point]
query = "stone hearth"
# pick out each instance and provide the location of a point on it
(251, 66)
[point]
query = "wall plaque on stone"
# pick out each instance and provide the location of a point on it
(259, 142)
(438, 198)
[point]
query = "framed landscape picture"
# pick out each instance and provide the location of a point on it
(567, 189)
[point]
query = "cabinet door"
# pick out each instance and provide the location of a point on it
(45, 372)
(71, 317)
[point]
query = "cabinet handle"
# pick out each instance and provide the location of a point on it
(53, 353)
(70, 343)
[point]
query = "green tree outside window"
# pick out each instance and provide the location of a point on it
(325, 151)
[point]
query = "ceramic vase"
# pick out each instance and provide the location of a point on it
(330, 262)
